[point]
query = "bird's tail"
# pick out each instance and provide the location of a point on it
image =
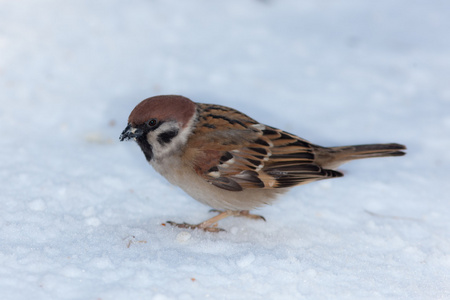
(334, 156)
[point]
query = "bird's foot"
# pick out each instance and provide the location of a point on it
(211, 228)
(241, 213)
(210, 225)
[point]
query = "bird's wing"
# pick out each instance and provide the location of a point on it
(235, 152)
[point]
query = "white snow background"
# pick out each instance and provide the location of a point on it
(81, 213)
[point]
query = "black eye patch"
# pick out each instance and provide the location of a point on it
(167, 136)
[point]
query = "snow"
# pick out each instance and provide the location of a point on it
(81, 214)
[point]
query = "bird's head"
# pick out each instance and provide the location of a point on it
(161, 125)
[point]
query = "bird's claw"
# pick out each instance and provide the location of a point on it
(241, 213)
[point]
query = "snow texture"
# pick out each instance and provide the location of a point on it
(81, 213)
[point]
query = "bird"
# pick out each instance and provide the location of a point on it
(229, 161)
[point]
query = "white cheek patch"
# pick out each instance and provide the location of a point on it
(167, 139)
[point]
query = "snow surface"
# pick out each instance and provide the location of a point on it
(81, 213)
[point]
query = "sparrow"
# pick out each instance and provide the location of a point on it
(227, 160)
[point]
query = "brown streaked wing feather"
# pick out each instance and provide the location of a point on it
(237, 152)
(220, 132)
(293, 160)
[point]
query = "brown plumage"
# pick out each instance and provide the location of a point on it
(229, 161)
(236, 154)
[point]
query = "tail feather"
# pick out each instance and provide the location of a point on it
(334, 156)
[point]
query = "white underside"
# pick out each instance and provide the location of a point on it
(208, 194)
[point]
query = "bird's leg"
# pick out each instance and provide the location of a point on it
(242, 213)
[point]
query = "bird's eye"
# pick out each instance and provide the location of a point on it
(152, 122)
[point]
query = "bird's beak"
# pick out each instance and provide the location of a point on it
(130, 133)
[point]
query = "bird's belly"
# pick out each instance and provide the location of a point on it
(201, 190)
